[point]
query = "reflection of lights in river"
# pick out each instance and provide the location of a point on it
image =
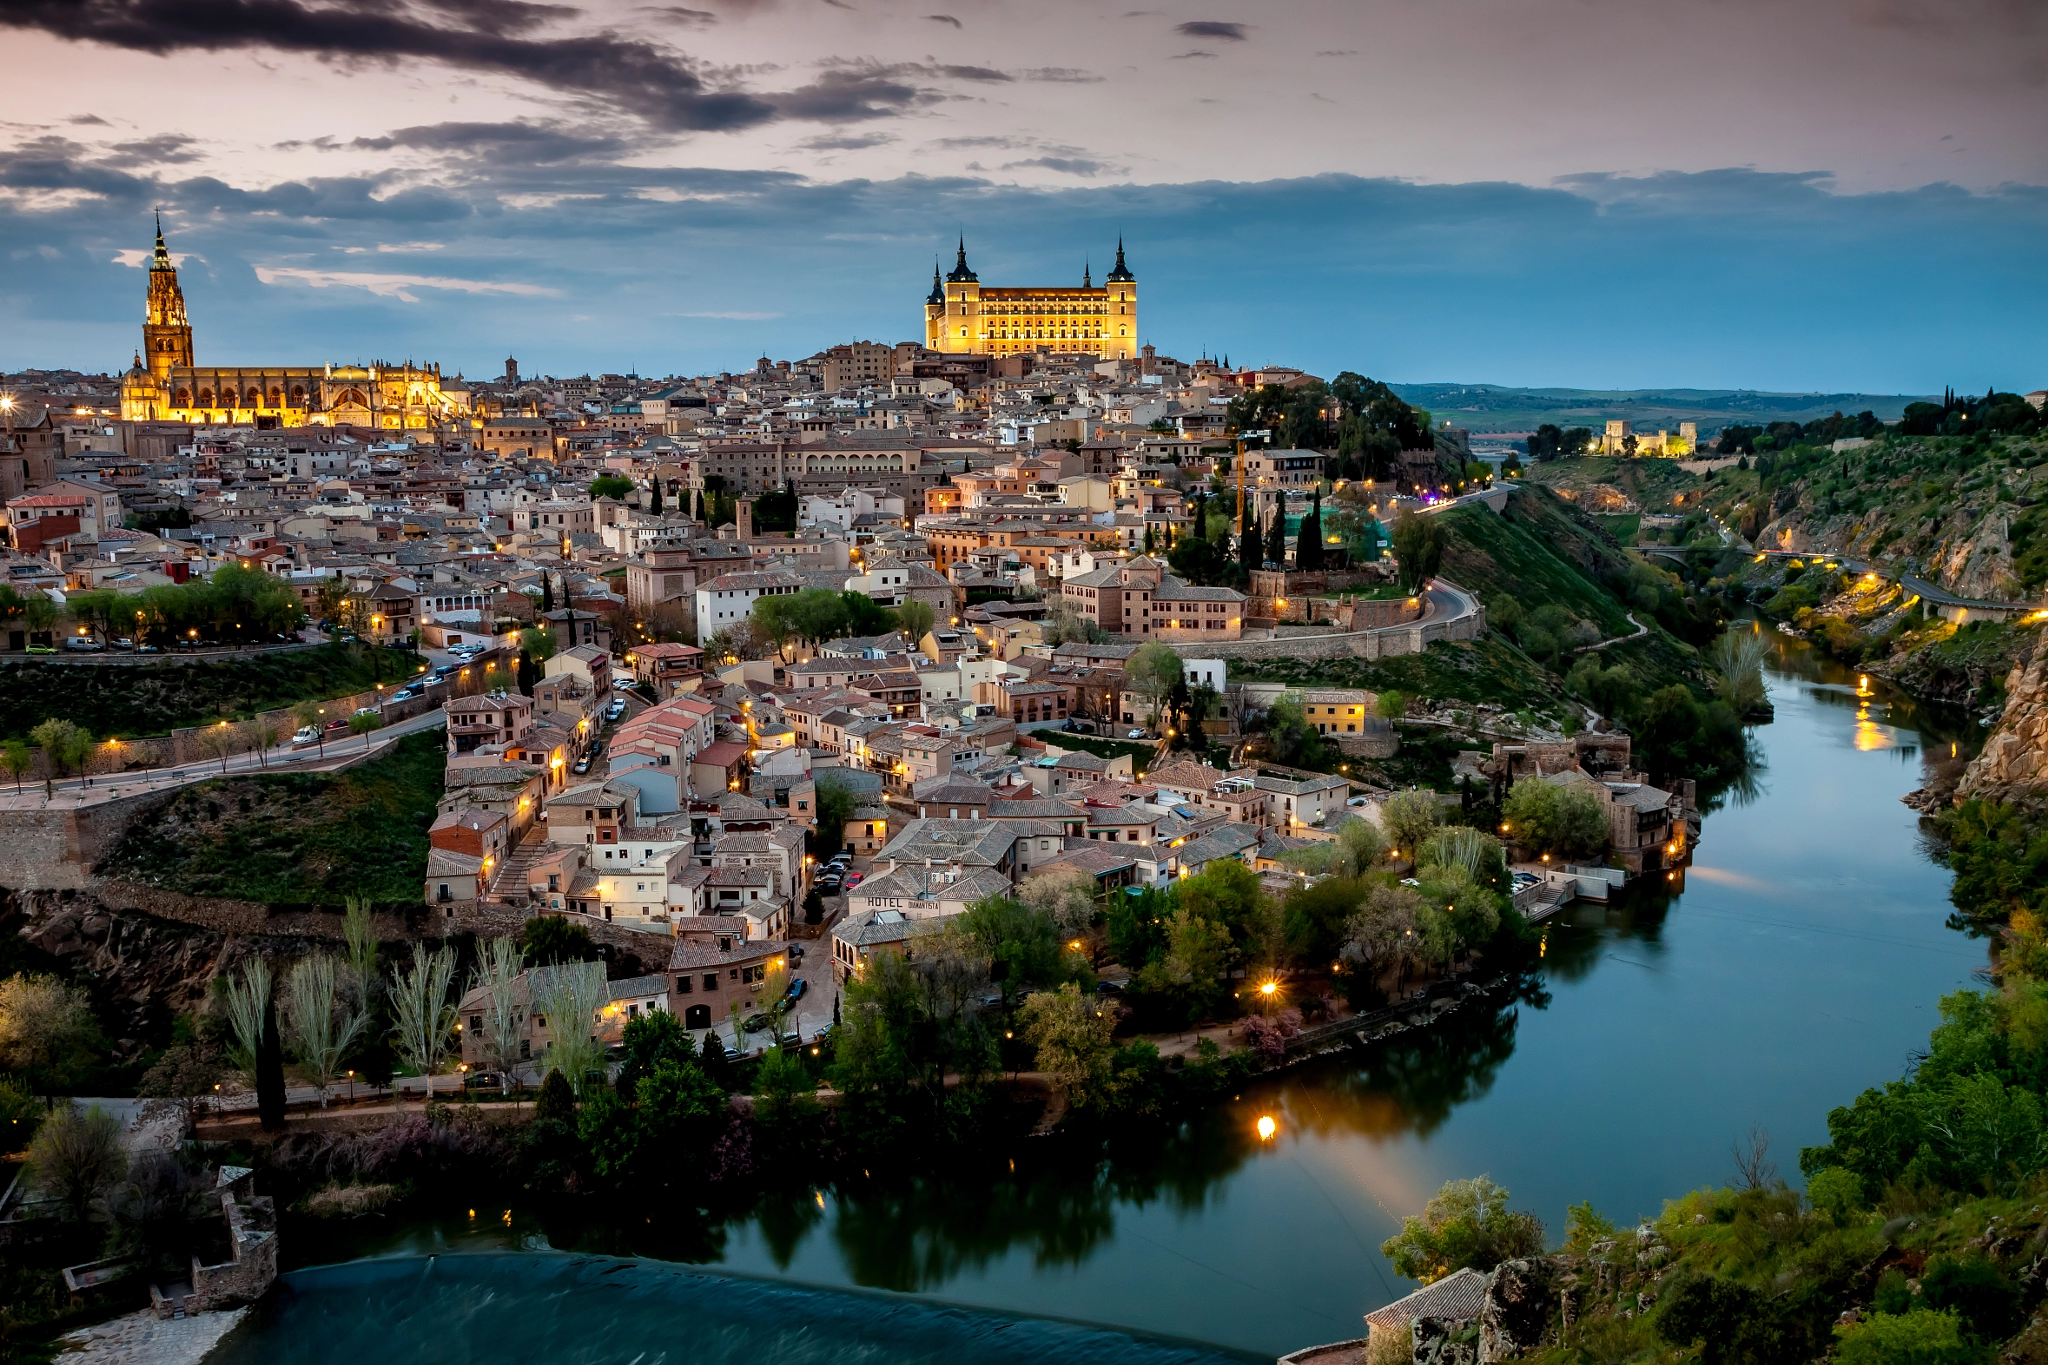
(1871, 736)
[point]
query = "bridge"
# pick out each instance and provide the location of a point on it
(1951, 606)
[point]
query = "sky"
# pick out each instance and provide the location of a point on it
(1833, 195)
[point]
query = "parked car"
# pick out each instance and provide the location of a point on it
(854, 879)
(42, 649)
(83, 644)
(789, 1042)
(841, 858)
(368, 711)
(828, 886)
(1135, 734)
(149, 649)
(796, 952)
(123, 643)
(581, 766)
(483, 1080)
(337, 725)
(755, 1023)
(305, 736)
(797, 989)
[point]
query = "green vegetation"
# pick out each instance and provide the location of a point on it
(152, 699)
(296, 837)
(610, 486)
(816, 615)
(1374, 427)
(1140, 752)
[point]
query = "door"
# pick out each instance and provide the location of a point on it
(697, 1016)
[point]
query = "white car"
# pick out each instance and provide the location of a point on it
(305, 737)
(1135, 734)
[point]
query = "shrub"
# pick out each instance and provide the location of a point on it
(1909, 1339)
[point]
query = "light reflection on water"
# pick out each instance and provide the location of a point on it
(1799, 963)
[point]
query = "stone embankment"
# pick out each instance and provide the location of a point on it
(1454, 614)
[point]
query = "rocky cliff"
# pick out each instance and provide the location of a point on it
(2013, 765)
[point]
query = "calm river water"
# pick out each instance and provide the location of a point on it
(1801, 963)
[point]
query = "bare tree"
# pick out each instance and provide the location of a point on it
(499, 962)
(46, 1028)
(321, 1022)
(424, 1015)
(1754, 1169)
(260, 733)
(218, 741)
(359, 937)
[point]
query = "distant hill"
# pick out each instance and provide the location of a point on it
(1486, 408)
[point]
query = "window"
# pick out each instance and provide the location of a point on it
(476, 1023)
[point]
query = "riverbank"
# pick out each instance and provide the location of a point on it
(142, 1338)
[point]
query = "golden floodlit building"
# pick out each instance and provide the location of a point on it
(962, 316)
(165, 385)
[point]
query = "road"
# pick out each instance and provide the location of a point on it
(73, 792)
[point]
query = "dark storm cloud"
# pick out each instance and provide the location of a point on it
(654, 82)
(1211, 28)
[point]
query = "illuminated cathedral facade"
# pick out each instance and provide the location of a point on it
(166, 385)
(962, 316)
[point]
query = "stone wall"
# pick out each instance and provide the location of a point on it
(1365, 644)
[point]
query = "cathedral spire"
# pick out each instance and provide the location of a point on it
(938, 294)
(162, 259)
(1086, 283)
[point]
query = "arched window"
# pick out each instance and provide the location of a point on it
(206, 398)
(253, 396)
(183, 398)
(298, 395)
(276, 396)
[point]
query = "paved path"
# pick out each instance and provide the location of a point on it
(73, 792)
(1641, 631)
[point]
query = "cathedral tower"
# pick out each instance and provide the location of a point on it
(166, 333)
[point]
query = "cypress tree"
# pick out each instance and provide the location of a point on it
(547, 591)
(270, 1071)
(1276, 536)
(1148, 537)
(655, 506)
(1248, 551)
(1308, 547)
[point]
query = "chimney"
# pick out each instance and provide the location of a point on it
(744, 517)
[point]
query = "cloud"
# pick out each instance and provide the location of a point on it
(1211, 28)
(391, 286)
(690, 18)
(166, 149)
(847, 96)
(534, 141)
(846, 142)
(89, 119)
(648, 80)
(393, 248)
(944, 19)
(1069, 165)
(1184, 56)
(1338, 52)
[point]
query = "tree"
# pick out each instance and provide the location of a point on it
(423, 1017)
(1154, 671)
(537, 643)
(915, 620)
(570, 997)
(1920, 1338)
(248, 1004)
(527, 673)
(186, 1074)
(646, 1042)
(1380, 935)
(1738, 656)
(547, 591)
(219, 740)
(550, 939)
(361, 723)
(329, 597)
(1466, 1223)
(1308, 546)
(320, 1020)
(610, 486)
(814, 906)
(654, 494)
(262, 732)
(1194, 966)
(76, 1157)
(1563, 821)
(1021, 946)
(46, 1030)
(17, 758)
(64, 746)
(1418, 547)
(1073, 1036)
(1251, 550)
(1410, 817)
(836, 804)
(785, 1094)
(1066, 898)
(1276, 536)
(1390, 705)
(498, 964)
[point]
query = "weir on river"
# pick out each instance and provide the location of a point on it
(1802, 962)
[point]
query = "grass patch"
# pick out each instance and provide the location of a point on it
(1623, 529)
(1537, 555)
(154, 699)
(1487, 669)
(298, 838)
(1140, 754)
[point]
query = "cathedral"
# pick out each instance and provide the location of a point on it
(164, 385)
(964, 317)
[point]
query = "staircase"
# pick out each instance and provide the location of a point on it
(508, 883)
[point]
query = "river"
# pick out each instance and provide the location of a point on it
(1801, 961)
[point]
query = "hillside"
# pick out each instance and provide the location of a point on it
(130, 700)
(1492, 407)
(297, 838)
